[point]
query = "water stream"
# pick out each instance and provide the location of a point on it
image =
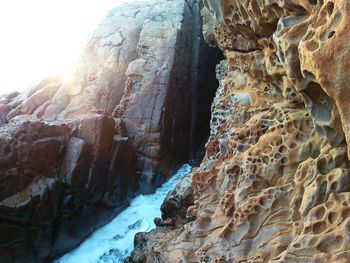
(113, 242)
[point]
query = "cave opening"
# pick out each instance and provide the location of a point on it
(206, 85)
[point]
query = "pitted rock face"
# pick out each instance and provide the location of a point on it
(274, 184)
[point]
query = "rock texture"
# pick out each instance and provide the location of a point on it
(73, 151)
(274, 184)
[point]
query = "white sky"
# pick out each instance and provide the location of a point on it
(42, 37)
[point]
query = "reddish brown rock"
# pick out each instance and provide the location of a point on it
(73, 152)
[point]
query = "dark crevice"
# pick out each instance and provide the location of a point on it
(204, 88)
(313, 2)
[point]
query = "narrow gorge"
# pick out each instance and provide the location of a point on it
(75, 151)
(263, 84)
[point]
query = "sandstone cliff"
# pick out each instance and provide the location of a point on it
(274, 185)
(74, 151)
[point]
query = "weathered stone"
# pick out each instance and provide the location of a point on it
(273, 186)
(178, 200)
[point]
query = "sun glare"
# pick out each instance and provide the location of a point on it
(44, 37)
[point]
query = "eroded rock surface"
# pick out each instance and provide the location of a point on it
(73, 151)
(274, 184)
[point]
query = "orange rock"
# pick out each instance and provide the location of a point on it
(274, 184)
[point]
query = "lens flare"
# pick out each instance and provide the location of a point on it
(44, 37)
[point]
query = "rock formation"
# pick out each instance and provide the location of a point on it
(73, 151)
(274, 185)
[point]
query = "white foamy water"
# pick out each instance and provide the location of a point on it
(113, 242)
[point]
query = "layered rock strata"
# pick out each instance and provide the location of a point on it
(74, 151)
(274, 184)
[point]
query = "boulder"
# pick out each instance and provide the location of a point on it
(178, 200)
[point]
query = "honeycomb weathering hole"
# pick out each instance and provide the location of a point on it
(330, 8)
(312, 46)
(331, 34)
